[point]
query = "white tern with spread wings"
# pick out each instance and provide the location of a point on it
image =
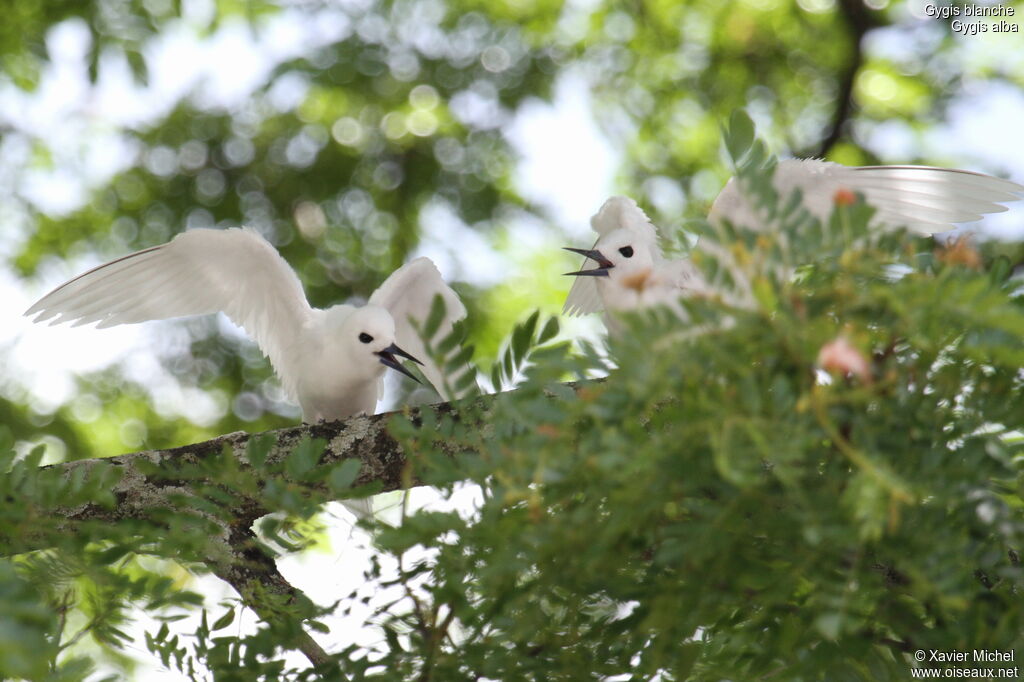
(330, 361)
(626, 270)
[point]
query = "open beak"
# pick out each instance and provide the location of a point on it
(594, 255)
(387, 358)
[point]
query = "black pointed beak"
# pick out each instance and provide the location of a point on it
(594, 255)
(387, 358)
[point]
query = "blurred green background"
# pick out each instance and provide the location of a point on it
(355, 135)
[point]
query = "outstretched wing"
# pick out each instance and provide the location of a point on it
(616, 212)
(198, 272)
(930, 200)
(408, 293)
(924, 199)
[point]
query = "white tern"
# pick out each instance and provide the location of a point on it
(330, 361)
(630, 270)
(626, 270)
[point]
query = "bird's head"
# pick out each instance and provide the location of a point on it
(369, 334)
(621, 255)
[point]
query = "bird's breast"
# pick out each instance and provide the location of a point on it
(330, 400)
(335, 386)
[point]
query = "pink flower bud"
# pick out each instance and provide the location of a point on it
(842, 357)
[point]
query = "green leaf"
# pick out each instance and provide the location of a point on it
(35, 456)
(304, 457)
(549, 331)
(1000, 269)
(6, 439)
(460, 360)
(450, 342)
(258, 447)
(227, 619)
(739, 136)
(112, 554)
(522, 337)
(317, 626)
(434, 318)
(138, 66)
(465, 382)
(507, 367)
(344, 475)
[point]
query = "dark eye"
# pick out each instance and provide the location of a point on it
(626, 251)
(365, 338)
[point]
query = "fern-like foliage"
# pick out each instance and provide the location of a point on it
(526, 340)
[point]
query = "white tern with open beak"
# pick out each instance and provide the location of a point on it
(330, 361)
(626, 270)
(630, 271)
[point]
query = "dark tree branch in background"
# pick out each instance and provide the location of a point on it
(859, 20)
(256, 578)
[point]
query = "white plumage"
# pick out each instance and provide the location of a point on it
(408, 294)
(322, 357)
(924, 199)
(626, 269)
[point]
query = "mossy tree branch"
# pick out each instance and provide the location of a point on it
(159, 487)
(147, 481)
